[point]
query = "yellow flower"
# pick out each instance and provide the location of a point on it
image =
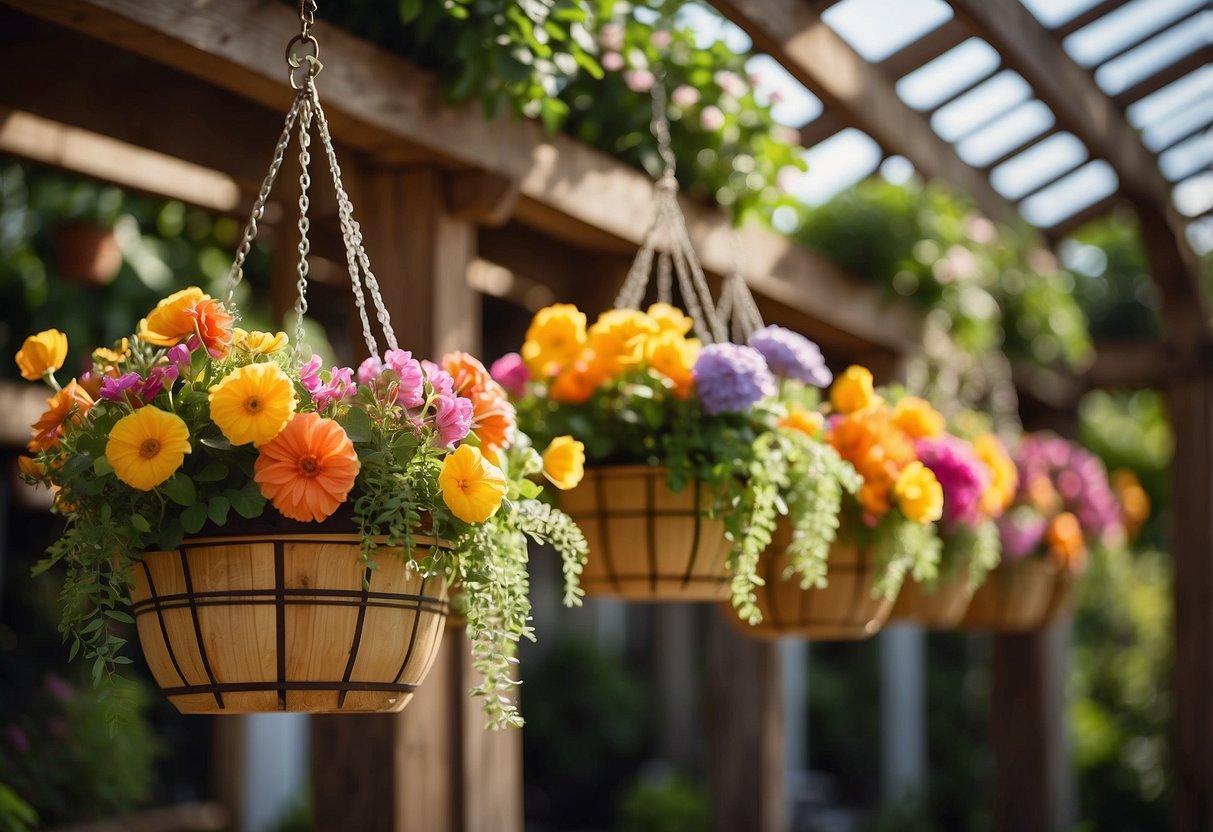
(918, 418)
(670, 317)
(1004, 478)
(170, 322)
(42, 354)
(919, 494)
(672, 355)
(106, 357)
(253, 404)
(259, 343)
(617, 340)
(564, 462)
(853, 390)
(554, 339)
(472, 487)
(147, 447)
(808, 422)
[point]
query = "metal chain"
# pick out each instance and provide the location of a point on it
(305, 224)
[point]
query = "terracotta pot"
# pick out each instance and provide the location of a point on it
(940, 607)
(842, 610)
(1019, 597)
(271, 621)
(646, 542)
(87, 253)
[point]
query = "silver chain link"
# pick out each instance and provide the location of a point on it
(305, 223)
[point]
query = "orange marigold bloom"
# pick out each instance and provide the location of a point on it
(574, 385)
(213, 326)
(877, 448)
(470, 375)
(808, 422)
(1134, 501)
(493, 417)
(618, 339)
(308, 469)
(918, 418)
(1066, 544)
(67, 406)
(170, 322)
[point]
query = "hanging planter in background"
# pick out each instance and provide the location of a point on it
(1019, 597)
(87, 253)
(648, 543)
(937, 607)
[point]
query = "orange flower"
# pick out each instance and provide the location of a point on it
(493, 417)
(673, 356)
(574, 385)
(213, 326)
(308, 469)
(617, 340)
(469, 374)
(917, 418)
(32, 469)
(42, 354)
(170, 322)
(1066, 545)
(877, 448)
(808, 422)
(67, 406)
(1004, 477)
(1134, 501)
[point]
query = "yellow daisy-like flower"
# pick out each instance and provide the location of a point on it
(170, 322)
(617, 341)
(554, 339)
(103, 356)
(564, 462)
(669, 317)
(1004, 477)
(259, 343)
(42, 354)
(808, 422)
(918, 418)
(253, 404)
(472, 487)
(672, 355)
(919, 495)
(853, 390)
(147, 447)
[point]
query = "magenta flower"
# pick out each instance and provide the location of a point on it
(157, 380)
(411, 392)
(511, 373)
(179, 357)
(439, 378)
(453, 419)
(961, 474)
(57, 688)
(369, 371)
(309, 375)
(340, 386)
(115, 389)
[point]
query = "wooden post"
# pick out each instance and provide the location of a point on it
(433, 767)
(744, 743)
(1191, 406)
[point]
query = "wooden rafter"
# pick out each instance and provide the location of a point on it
(828, 124)
(1083, 109)
(1148, 33)
(1023, 146)
(1088, 17)
(1201, 126)
(794, 34)
(1167, 75)
(1053, 178)
(927, 48)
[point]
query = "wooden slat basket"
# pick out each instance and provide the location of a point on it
(1019, 597)
(245, 621)
(941, 607)
(841, 611)
(646, 542)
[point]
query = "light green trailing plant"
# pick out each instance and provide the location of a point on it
(904, 548)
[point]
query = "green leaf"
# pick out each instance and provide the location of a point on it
(217, 509)
(357, 424)
(529, 489)
(140, 523)
(92, 626)
(214, 471)
(119, 615)
(193, 518)
(102, 467)
(219, 443)
(170, 536)
(248, 501)
(410, 10)
(180, 489)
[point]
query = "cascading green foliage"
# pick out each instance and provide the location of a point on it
(976, 549)
(903, 548)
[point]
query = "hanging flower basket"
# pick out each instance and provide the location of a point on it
(87, 253)
(648, 542)
(938, 607)
(1018, 597)
(846, 608)
(262, 616)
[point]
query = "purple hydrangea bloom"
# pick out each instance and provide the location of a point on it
(790, 355)
(729, 378)
(961, 474)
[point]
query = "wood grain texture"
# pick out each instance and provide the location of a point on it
(939, 608)
(1018, 597)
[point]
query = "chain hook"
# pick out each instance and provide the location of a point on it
(307, 16)
(303, 51)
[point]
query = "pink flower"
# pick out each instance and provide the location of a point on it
(511, 373)
(115, 389)
(57, 688)
(340, 386)
(440, 379)
(159, 378)
(453, 418)
(369, 370)
(611, 37)
(179, 356)
(661, 39)
(731, 83)
(711, 118)
(685, 96)
(612, 62)
(309, 375)
(408, 370)
(639, 80)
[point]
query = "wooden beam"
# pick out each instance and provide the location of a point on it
(1083, 109)
(828, 124)
(1167, 75)
(969, 86)
(1020, 148)
(792, 33)
(1088, 17)
(926, 49)
(1150, 30)
(1053, 179)
(1200, 127)
(382, 106)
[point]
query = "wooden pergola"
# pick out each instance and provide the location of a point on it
(183, 99)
